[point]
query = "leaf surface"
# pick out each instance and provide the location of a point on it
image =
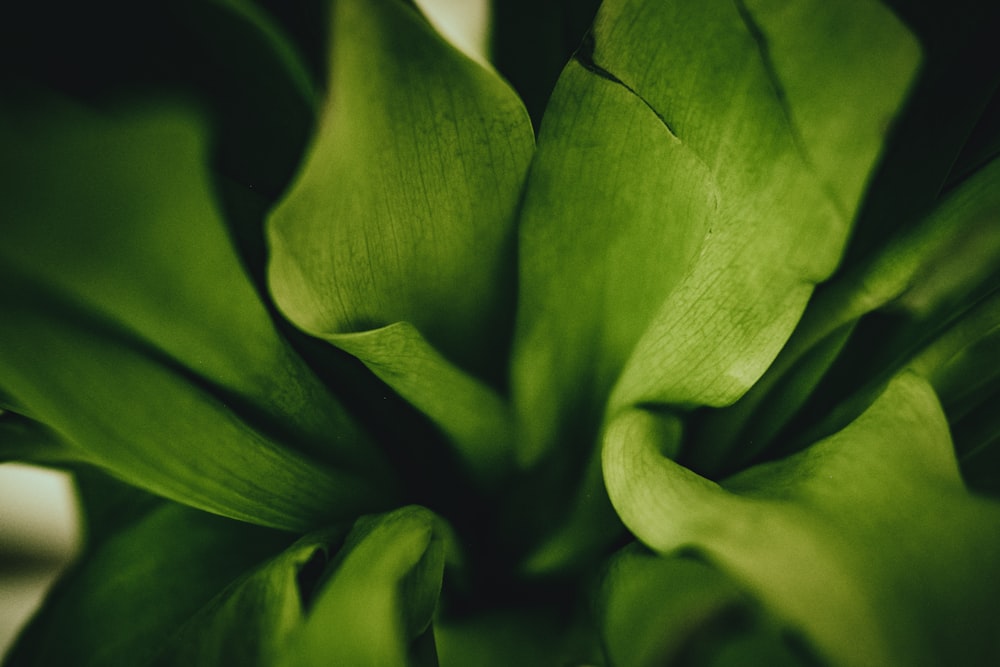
(132, 331)
(131, 591)
(670, 239)
(395, 241)
(868, 540)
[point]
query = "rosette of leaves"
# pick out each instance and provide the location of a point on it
(352, 366)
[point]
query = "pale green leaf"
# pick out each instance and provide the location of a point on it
(868, 540)
(749, 88)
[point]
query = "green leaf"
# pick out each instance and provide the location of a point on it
(250, 622)
(395, 241)
(868, 540)
(790, 173)
(131, 329)
(134, 589)
(380, 598)
(924, 276)
(678, 610)
(690, 188)
(612, 195)
(366, 600)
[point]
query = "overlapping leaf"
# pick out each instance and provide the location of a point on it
(395, 241)
(699, 236)
(924, 278)
(131, 330)
(868, 540)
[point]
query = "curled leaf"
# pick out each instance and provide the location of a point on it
(398, 229)
(868, 540)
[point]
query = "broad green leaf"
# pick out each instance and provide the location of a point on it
(132, 331)
(600, 210)
(697, 210)
(927, 274)
(749, 88)
(868, 540)
(130, 593)
(395, 241)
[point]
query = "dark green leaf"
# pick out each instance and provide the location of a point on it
(132, 331)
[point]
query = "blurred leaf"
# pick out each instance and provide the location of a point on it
(24, 439)
(133, 332)
(526, 634)
(867, 540)
(676, 610)
(395, 241)
(322, 600)
(133, 590)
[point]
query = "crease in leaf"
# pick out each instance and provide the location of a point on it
(779, 228)
(752, 127)
(867, 540)
(599, 209)
(400, 223)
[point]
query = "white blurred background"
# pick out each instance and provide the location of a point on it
(39, 534)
